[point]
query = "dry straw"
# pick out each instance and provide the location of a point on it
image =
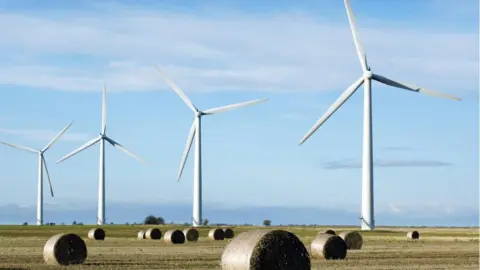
(330, 232)
(265, 249)
(229, 234)
(153, 234)
(328, 246)
(216, 234)
(413, 235)
(191, 234)
(65, 249)
(174, 237)
(141, 235)
(96, 234)
(353, 239)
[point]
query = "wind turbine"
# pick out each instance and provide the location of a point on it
(101, 138)
(367, 222)
(41, 164)
(195, 132)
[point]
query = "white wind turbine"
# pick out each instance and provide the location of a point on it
(101, 138)
(195, 130)
(41, 164)
(367, 222)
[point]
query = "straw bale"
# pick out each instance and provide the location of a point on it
(153, 234)
(353, 239)
(413, 235)
(228, 233)
(141, 235)
(191, 234)
(65, 249)
(96, 234)
(174, 237)
(330, 231)
(328, 246)
(265, 249)
(216, 234)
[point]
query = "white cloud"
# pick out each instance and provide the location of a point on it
(45, 135)
(287, 52)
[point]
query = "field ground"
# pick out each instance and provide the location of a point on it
(385, 248)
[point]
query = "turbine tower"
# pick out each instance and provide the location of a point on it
(195, 133)
(367, 220)
(101, 138)
(41, 165)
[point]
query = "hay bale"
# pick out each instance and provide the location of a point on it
(413, 235)
(216, 234)
(141, 235)
(265, 249)
(328, 246)
(174, 237)
(153, 234)
(353, 239)
(96, 234)
(65, 249)
(191, 235)
(329, 231)
(228, 233)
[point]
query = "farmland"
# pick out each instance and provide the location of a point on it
(385, 248)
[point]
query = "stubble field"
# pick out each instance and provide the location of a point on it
(385, 248)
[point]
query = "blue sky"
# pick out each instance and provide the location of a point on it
(301, 56)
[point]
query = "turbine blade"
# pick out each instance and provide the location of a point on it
(56, 137)
(48, 175)
(356, 38)
(81, 148)
(334, 107)
(188, 146)
(121, 147)
(177, 90)
(20, 147)
(233, 106)
(104, 108)
(413, 88)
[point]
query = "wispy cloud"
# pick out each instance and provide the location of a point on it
(45, 135)
(354, 164)
(280, 52)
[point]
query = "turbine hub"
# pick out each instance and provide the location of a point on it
(198, 113)
(367, 75)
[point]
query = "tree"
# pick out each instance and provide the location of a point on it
(74, 222)
(160, 221)
(25, 223)
(150, 220)
(205, 222)
(267, 222)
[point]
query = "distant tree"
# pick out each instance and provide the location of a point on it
(74, 222)
(150, 220)
(160, 221)
(205, 222)
(111, 223)
(267, 222)
(186, 224)
(80, 223)
(25, 223)
(126, 223)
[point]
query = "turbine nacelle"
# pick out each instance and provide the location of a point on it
(367, 75)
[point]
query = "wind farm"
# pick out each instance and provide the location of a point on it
(259, 198)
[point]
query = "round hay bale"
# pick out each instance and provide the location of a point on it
(328, 246)
(153, 234)
(265, 249)
(174, 237)
(329, 231)
(228, 233)
(216, 234)
(65, 249)
(141, 235)
(191, 235)
(413, 235)
(96, 234)
(353, 239)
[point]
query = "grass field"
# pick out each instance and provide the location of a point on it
(385, 248)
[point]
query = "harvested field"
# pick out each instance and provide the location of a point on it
(387, 248)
